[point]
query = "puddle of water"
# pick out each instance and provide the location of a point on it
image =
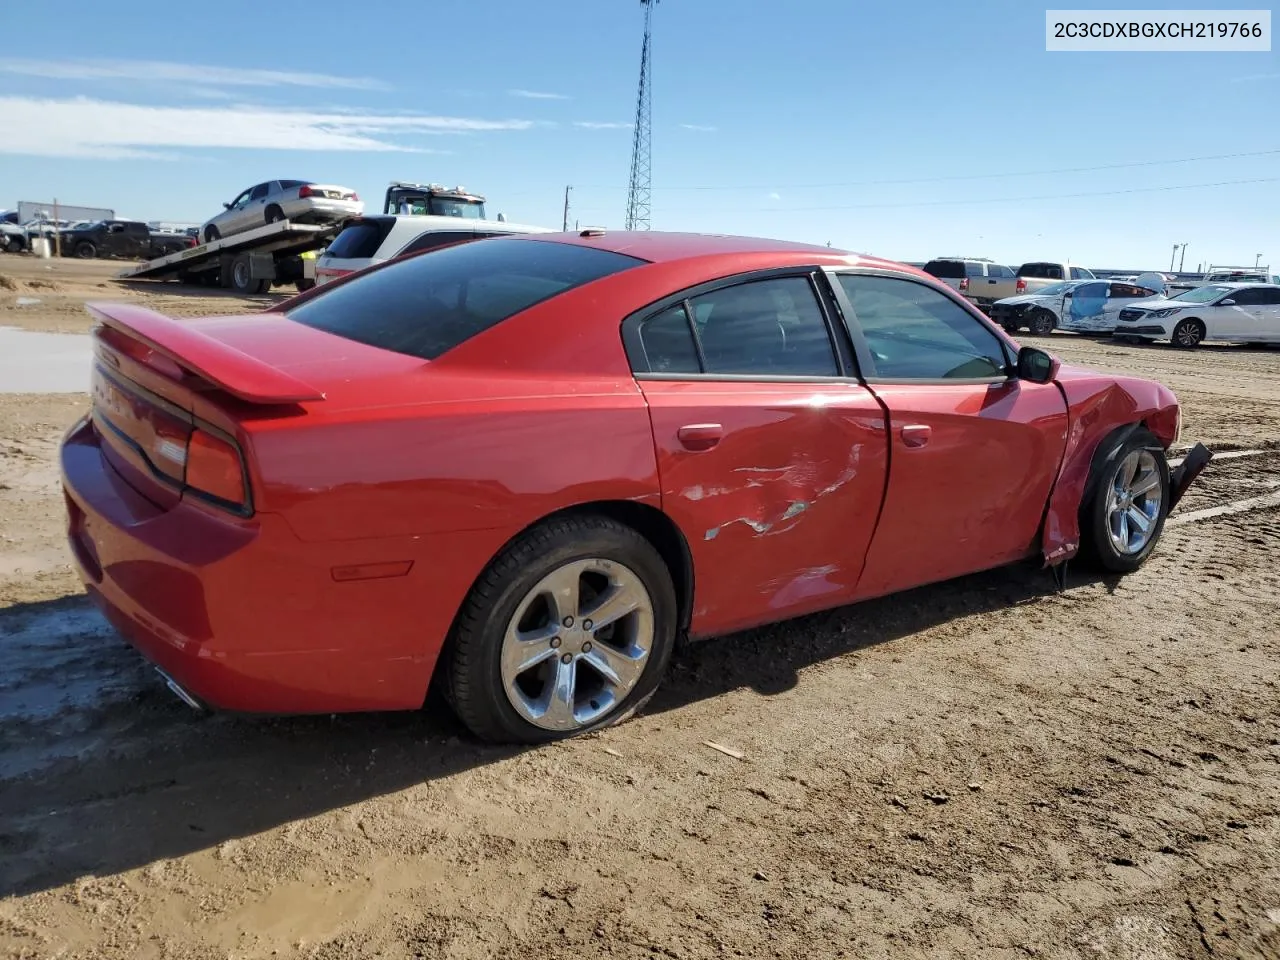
(44, 362)
(68, 685)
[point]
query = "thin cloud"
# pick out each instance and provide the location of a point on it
(105, 130)
(774, 196)
(159, 71)
(537, 95)
(596, 125)
(698, 127)
(1253, 78)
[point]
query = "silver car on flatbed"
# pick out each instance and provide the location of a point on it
(302, 201)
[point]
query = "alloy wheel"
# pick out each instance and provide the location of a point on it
(577, 644)
(1134, 502)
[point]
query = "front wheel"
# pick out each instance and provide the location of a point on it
(570, 629)
(1042, 323)
(1123, 517)
(1188, 333)
(86, 250)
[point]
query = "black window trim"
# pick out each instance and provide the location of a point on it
(837, 335)
(863, 351)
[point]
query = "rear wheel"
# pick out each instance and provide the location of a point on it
(211, 234)
(1188, 333)
(570, 629)
(274, 214)
(242, 279)
(86, 250)
(1042, 323)
(305, 284)
(1123, 516)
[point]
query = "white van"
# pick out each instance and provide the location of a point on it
(366, 241)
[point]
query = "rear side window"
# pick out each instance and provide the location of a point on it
(425, 306)
(1080, 273)
(436, 238)
(945, 269)
(360, 240)
(973, 270)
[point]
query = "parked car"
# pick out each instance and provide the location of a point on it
(1079, 306)
(1037, 274)
(13, 239)
(1223, 274)
(123, 239)
(1240, 312)
(977, 279)
(529, 464)
(300, 200)
(369, 240)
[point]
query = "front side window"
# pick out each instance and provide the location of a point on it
(1245, 297)
(1000, 271)
(973, 269)
(425, 306)
(915, 333)
(258, 192)
(240, 201)
(1080, 273)
(1127, 291)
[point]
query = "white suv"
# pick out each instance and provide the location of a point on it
(371, 240)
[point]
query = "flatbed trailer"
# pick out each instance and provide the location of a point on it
(247, 263)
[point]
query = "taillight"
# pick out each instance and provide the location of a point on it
(305, 191)
(1020, 285)
(964, 284)
(354, 195)
(214, 468)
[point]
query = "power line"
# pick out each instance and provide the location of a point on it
(1045, 196)
(954, 179)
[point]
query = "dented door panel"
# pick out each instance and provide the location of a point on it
(973, 495)
(779, 511)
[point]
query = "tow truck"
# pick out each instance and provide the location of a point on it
(432, 199)
(248, 263)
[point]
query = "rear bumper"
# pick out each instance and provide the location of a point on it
(314, 208)
(239, 613)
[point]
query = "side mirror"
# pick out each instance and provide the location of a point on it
(226, 206)
(1036, 366)
(1226, 303)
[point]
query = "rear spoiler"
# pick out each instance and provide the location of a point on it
(227, 368)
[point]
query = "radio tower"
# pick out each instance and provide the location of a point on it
(639, 190)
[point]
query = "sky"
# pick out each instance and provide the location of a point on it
(904, 130)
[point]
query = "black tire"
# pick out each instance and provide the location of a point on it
(13, 244)
(1096, 542)
(274, 214)
(305, 284)
(1188, 333)
(242, 280)
(211, 234)
(472, 676)
(86, 250)
(1041, 323)
(1010, 328)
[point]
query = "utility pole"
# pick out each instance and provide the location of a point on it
(1172, 257)
(1183, 258)
(566, 208)
(1257, 259)
(639, 190)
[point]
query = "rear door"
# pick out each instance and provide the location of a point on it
(973, 451)
(771, 455)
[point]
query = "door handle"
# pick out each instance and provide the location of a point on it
(700, 436)
(916, 434)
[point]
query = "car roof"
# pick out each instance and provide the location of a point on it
(658, 246)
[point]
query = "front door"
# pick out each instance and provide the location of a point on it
(974, 452)
(1243, 319)
(771, 456)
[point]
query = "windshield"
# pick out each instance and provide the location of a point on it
(421, 205)
(442, 207)
(1202, 294)
(1055, 289)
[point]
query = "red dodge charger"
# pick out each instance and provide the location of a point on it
(532, 463)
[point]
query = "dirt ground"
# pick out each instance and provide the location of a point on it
(983, 768)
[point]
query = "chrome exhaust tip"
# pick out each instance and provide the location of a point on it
(189, 699)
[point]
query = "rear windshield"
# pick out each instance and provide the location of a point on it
(945, 269)
(428, 304)
(360, 240)
(1041, 271)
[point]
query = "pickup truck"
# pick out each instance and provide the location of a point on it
(1037, 274)
(122, 239)
(977, 279)
(1221, 274)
